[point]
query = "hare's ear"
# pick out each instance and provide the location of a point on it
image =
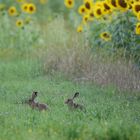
(35, 92)
(34, 95)
(76, 95)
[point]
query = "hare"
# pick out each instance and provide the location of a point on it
(73, 105)
(36, 105)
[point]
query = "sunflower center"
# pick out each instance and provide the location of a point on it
(113, 2)
(106, 35)
(83, 10)
(87, 5)
(25, 7)
(31, 8)
(19, 23)
(12, 11)
(137, 8)
(106, 6)
(122, 3)
(86, 18)
(91, 14)
(99, 11)
(70, 2)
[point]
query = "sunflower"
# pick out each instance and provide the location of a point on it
(136, 7)
(113, 3)
(107, 7)
(138, 15)
(82, 9)
(31, 8)
(79, 28)
(12, 11)
(27, 20)
(69, 3)
(19, 23)
(24, 7)
(137, 29)
(98, 10)
(91, 15)
(105, 36)
(88, 4)
(85, 18)
(122, 5)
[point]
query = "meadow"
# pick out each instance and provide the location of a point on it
(48, 54)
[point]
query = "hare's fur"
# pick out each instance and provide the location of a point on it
(36, 105)
(73, 105)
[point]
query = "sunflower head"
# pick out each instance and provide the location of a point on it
(88, 4)
(138, 15)
(19, 23)
(12, 11)
(86, 18)
(137, 29)
(91, 15)
(31, 8)
(79, 28)
(98, 11)
(82, 9)
(27, 20)
(69, 3)
(105, 36)
(24, 7)
(122, 5)
(136, 7)
(113, 4)
(107, 7)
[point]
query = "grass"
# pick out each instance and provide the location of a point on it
(109, 115)
(43, 58)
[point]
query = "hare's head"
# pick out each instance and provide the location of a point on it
(70, 100)
(34, 95)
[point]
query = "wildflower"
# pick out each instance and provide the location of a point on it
(98, 11)
(31, 8)
(122, 5)
(85, 18)
(137, 29)
(69, 3)
(105, 36)
(19, 23)
(27, 20)
(91, 15)
(79, 28)
(113, 3)
(136, 7)
(12, 11)
(88, 4)
(82, 9)
(24, 7)
(107, 7)
(138, 15)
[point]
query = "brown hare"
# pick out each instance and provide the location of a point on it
(73, 105)
(36, 105)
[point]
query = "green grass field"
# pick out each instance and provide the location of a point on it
(48, 55)
(110, 115)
